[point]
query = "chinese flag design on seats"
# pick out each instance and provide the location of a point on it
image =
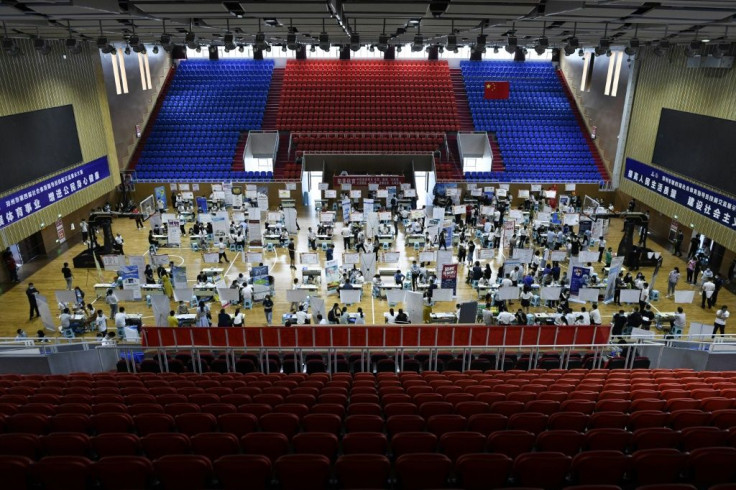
(496, 90)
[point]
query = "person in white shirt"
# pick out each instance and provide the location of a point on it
(390, 316)
(101, 322)
(672, 281)
(345, 232)
(720, 322)
(238, 318)
(595, 315)
(506, 282)
(322, 321)
(108, 340)
(708, 289)
(644, 296)
(360, 319)
(679, 322)
(221, 247)
(301, 316)
(505, 317)
(120, 322)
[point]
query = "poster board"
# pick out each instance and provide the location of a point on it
(508, 293)
(426, 256)
(351, 258)
(159, 259)
(284, 194)
(327, 217)
(557, 255)
(113, 262)
(384, 216)
(523, 194)
(355, 194)
(588, 294)
(307, 258)
(210, 258)
(486, 253)
(524, 255)
(459, 209)
(443, 294)
(350, 296)
(390, 257)
(587, 256)
(323, 186)
(551, 293)
(684, 297)
(330, 194)
(630, 295)
(254, 257)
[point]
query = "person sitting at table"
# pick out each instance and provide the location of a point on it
(320, 320)
(505, 317)
(520, 317)
(301, 316)
(283, 238)
(346, 285)
(196, 229)
(201, 278)
(391, 316)
(401, 317)
(182, 308)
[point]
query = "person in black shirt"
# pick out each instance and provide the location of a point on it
(268, 309)
(477, 272)
(31, 293)
(647, 317)
(292, 253)
(223, 319)
(634, 319)
(402, 317)
(67, 273)
(619, 322)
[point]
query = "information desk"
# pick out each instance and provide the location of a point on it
(101, 289)
(213, 271)
(378, 336)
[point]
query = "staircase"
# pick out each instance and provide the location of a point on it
(448, 167)
(600, 165)
(461, 100)
(270, 116)
(285, 168)
(239, 150)
(497, 165)
(151, 119)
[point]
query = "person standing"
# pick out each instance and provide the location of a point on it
(707, 289)
(345, 232)
(112, 300)
(221, 247)
(672, 281)
(119, 244)
(414, 271)
(601, 248)
(690, 269)
(268, 309)
(292, 254)
(720, 322)
(694, 246)
(676, 248)
(595, 315)
(31, 292)
(67, 273)
(120, 317)
(718, 281)
(84, 227)
(101, 322)
(442, 240)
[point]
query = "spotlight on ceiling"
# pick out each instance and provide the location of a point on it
(604, 43)
(10, 47)
(355, 42)
(324, 41)
(102, 44)
(480, 42)
(43, 47)
(630, 51)
(229, 40)
(511, 44)
(452, 42)
(260, 43)
(291, 39)
(572, 42)
(155, 50)
(495, 49)
(136, 44)
(721, 49)
(191, 40)
(312, 48)
(127, 50)
(693, 49)
(418, 43)
(198, 49)
(241, 48)
(73, 45)
(581, 53)
(542, 43)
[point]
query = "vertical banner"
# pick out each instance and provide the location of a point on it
(332, 275)
(131, 280)
(259, 279)
(449, 277)
(202, 204)
(616, 265)
(414, 304)
(161, 307)
(160, 195)
(174, 232)
(43, 309)
(179, 277)
(579, 279)
(368, 264)
(448, 234)
(508, 232)
(60, 231)
(596, 229)
(346, 210)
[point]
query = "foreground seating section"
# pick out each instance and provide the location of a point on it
(367, 95)
(536, 128)
(407, 430)
(207, 107)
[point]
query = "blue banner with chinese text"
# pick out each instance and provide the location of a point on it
(703, 201)
(23, 203)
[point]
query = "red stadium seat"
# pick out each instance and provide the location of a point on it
(364, 443)
(63, 472)
(511, 442)
(422, 470)
(269, 444)
(362, 471)
(183, 471)
(603, 467)
(123, 472)
(214, 445)
(113, 444)
(163, 443)
(565, 441)
(483, 471)
(303, 471)
(543, 470)
(413, 442)
(456, 444)
(657, 466)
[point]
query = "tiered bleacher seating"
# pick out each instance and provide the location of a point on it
(473, 430)
(536, 128)
(367, 95)
(367, 143)
(207, 107)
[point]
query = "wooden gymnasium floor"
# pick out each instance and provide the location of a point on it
(47, 279)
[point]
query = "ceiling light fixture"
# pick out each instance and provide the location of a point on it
(511, 41)
(542, 43)
(572, 42)
(604, 43)
(324, 38)
(418, 43)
